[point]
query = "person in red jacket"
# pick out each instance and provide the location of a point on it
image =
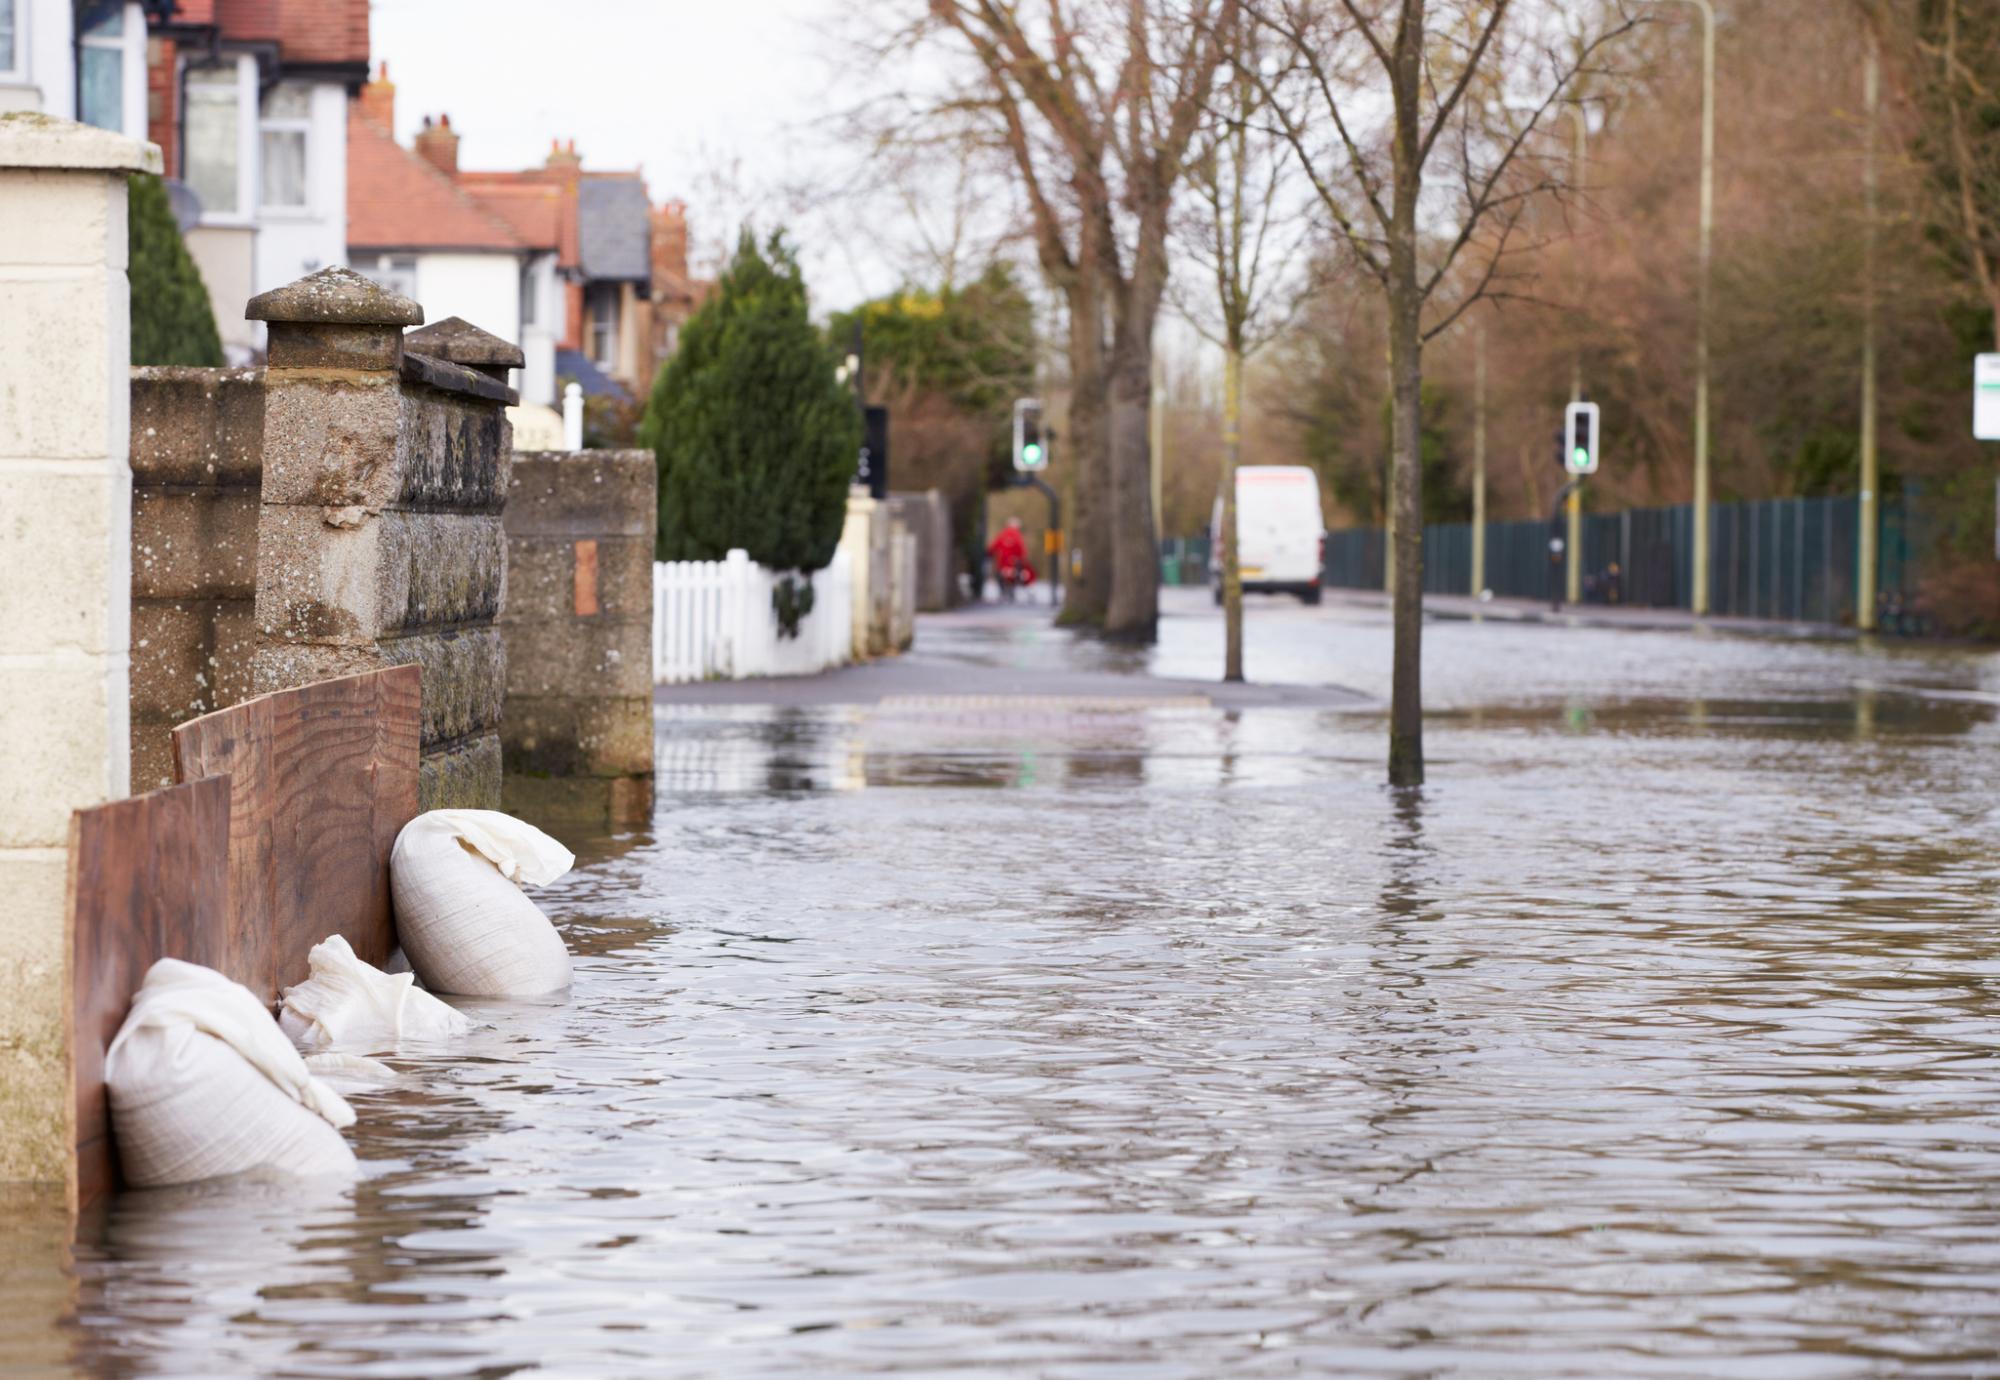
(1009, 554)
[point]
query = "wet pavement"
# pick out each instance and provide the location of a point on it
(1065, 1036)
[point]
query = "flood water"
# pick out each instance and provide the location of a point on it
(1655, 1037)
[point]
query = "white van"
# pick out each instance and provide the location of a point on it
(1280, 532)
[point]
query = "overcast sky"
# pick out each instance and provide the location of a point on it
(719, 101)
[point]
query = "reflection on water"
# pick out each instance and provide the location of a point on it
(1655, 1037)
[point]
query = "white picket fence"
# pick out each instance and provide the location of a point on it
(713, 620)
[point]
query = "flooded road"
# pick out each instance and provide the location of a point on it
(1655, 1037)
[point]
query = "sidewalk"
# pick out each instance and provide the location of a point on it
(989, 650)
(1465, 607)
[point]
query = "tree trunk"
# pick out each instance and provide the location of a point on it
(1133, 614)
(1087, 582)
(1232, 569)
(1406, 697)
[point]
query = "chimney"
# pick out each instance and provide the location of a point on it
(438, 145)
(670, 243)
(563, 155)
(378, 99)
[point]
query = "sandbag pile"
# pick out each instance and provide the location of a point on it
(464, 923)
(202, 1083)
(348, 1005)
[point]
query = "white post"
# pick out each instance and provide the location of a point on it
(739, 612)
(66, 573)
(573, 416)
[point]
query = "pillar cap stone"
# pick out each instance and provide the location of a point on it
(459, 341)
(334, 296)
(30, 139)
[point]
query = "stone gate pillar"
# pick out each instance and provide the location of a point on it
(65, 578)
(379, 539)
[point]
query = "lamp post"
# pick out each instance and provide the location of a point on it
(1573, 552)
(1701, 532)
(1479, 459)
(1871, 469)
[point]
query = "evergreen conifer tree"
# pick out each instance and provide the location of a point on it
(755, 439)
(172, 322)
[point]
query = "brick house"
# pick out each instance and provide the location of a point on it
(247, 100)
(417, 225)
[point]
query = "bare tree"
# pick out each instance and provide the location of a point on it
(1242, 231)
(1952, 51)
(1097, 107)
(1416, 123)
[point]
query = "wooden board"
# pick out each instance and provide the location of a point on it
(148, 879)
(322, 779)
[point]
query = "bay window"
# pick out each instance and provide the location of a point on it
(286, 128)
(220, 128)
(110, 66)
(13, 61)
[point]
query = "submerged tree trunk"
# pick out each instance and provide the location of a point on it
(1232, 568)
(1087, 580)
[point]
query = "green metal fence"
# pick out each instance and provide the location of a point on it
(1782, 558)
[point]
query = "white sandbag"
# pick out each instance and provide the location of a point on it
(349, 1004)
(460, 914)
(203, 1083)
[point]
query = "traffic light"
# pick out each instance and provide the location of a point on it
(1580, 436)
(1031, 446)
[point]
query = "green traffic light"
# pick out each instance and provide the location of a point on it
(1031, 453)
(1581, 457)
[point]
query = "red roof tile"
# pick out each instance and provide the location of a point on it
(562, 180)
(532, 210)
(397, 200)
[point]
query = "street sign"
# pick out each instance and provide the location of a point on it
(1031, 444)
(1986, 397)
(1580, 437)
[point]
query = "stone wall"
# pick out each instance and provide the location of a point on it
(379, 538)
(197, 468)
(577, 735)
(928, 517)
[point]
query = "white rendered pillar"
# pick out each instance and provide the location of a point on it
(65, 578)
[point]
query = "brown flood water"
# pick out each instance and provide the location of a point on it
(1656, 1037)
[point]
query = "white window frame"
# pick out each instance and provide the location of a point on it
(249, 143)
(285, 124)
(18, 73)
(130, 45)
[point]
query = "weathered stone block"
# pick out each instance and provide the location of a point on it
(34, 1061)
(173, 679)
(337, 346)
(52, 218)
(592, 493)
(541, 578)
(280, 666)
(561, 737)
(441, 568)
(63, 538)
(620, 802)
(57, 404)
(465, 678)
(457, 453)
(67, 738)
(463, 776)
(234, 651)
(320, 577)
(202, 428)
(194, 545)
(332, 442)
(582, 657)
